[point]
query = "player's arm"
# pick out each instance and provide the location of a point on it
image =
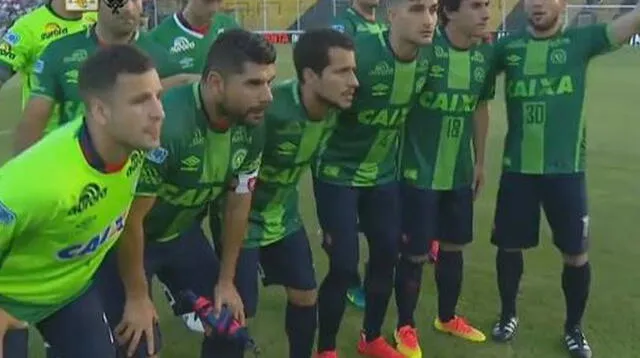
(139, 315)
(45, 92)
(131, 245)
(480, 131)
(16, 49)
(236, 215)
(625, 26)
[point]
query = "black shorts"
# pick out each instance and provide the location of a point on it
(287, 263)
(446, 215)
(564, 200)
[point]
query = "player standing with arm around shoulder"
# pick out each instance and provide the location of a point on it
(212, 144)
(355, 177)
(302, 114)
(545, 152)
(54, 84)
(55, 233)
(443, 165)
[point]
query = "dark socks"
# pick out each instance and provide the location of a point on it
(332, 298)
(407, 290)
(575, 284)
(378, 286)
(300, 325)
(509, 266)
(449, 282)
(220, 347)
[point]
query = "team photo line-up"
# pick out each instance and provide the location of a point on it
(173, 154)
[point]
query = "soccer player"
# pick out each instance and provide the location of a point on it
(188, 34)
(296, 124)
(544, 154)
(56, 72)
(359, 18)
(355, 175)
(443, 167)
(25, 40)
(54, 233)
(212, 144)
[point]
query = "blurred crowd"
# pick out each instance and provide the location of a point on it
(10, 10)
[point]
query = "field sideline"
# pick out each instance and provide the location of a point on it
(614, 167)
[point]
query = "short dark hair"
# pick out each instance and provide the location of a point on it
(312, 49)
(445, 6)
(234, 48)
(99, 73)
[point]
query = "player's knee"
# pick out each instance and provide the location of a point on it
(511, 251)
(302, 298)
(447, 246)
(340, 278)
(414, 259)
(575, 260)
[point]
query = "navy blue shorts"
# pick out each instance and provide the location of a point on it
(186, 263)
(343, 211)
(564, 200)
(446, 215)
(288, 263)
(80, 329)
(16, 343)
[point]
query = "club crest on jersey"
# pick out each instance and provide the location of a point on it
(158, 155)
(6, 215)
(11, 38)
(338, 27)
(238, 158)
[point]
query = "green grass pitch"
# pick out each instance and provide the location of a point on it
(614, 188)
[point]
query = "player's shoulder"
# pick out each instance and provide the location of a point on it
(42, 160)
(27, 25)
(166, 23)
(180, 108)
(285, 96)
(65, 45)
(513, 40)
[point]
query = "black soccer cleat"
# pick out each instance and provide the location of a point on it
(577, 344)
(505, 329)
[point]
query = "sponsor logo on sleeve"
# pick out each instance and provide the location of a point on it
(158, 155)
(338, 27)
(5, 51)
(11, 38)
(6, 215)
(38, 67)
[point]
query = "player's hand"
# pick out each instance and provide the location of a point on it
(225, 293)
(140, 317)
(8, 322)
(478, 180)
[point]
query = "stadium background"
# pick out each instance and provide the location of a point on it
(614, 161)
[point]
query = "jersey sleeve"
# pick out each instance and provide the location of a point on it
(595, 39)
(46, 71)
(154, 172)
(18, 50)
(248, 172)
(489, 88)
